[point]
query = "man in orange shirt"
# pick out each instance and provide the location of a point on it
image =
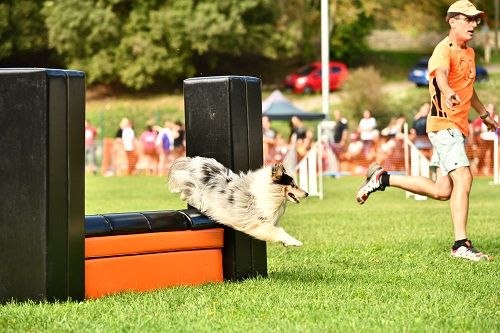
(451, 77)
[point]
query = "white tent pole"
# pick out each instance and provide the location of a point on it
(325, 58)
(496, 174)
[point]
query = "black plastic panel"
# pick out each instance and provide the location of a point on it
(224, 121)
(42, 191)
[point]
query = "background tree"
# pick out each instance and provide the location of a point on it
(138, 42)
(22, 28)
(363, 90)
(350, 23)
(143, 43)
(419, 16)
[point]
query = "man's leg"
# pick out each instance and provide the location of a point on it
(441, 189)
(459, 200)
(456, 187)
(459, 206)
(378, 179)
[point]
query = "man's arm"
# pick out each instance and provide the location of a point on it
(451, 97)
(477, 104)
(490, 123)
(343, 139)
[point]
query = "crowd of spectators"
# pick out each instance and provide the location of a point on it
(368, 144)
(353, 148)
(480, 144)
(149, 152)
(90, 148)
(346, 148)
(288, 151)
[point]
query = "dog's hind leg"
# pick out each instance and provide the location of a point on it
(271, 233)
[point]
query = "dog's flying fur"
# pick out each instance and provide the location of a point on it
(249, 202)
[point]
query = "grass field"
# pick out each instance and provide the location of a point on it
(381, 267)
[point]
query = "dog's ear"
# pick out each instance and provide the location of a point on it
(277, 172)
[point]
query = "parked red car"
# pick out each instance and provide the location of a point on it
(307, 79)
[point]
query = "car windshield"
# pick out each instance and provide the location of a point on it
(423, 63)
(305, 70)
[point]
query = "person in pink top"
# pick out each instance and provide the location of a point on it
(482, 142)
(90, 156)
(148, 139)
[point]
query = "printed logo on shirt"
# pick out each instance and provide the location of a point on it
(436, 107)
(467, 69)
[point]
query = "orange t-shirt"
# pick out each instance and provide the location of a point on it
(461, 78)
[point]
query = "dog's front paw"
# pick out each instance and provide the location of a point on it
(292, 242)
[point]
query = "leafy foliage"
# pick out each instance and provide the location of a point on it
(363, 90)
(139, 42)
(352, 21)
(413, 17)
(144, 43)
(21, 27)
(417, 16)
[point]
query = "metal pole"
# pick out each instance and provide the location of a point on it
(406, 150)
(495, 159)
(496, 25)
(320, 161)
(325, 58)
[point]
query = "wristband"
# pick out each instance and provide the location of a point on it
(484, 116)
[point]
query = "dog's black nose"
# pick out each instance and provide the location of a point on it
(307, 194)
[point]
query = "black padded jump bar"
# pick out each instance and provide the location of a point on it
(141, 222)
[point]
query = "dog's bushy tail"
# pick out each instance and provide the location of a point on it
(179, 174)
(183, 179)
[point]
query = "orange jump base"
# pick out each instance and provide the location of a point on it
(148, 261)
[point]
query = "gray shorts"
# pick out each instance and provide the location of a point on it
(449, 150)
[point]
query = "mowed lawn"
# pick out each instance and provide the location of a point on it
(380, 267)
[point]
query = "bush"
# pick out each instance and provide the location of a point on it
(363, 90)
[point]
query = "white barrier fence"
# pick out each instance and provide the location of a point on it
(496, 172)
(310, 169)
(309, 172)
(416, 163)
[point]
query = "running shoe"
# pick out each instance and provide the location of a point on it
(467, 251)
(372, 183)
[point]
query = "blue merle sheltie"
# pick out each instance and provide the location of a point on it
(251, 202)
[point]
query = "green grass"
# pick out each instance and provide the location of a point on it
(381, 267)
(106, 113)
(394, 66)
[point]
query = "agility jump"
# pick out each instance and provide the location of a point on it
(52, 251)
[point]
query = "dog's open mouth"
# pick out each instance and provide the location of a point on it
(293, 197)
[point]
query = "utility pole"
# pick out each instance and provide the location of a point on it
(325, 58)
(496, 25)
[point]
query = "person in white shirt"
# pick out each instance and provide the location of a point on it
(128, 140)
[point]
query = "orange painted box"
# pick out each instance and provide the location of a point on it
(129, 252)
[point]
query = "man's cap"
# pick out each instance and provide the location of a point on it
(463, 7)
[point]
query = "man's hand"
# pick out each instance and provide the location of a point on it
(452, 99)
(490, 123)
